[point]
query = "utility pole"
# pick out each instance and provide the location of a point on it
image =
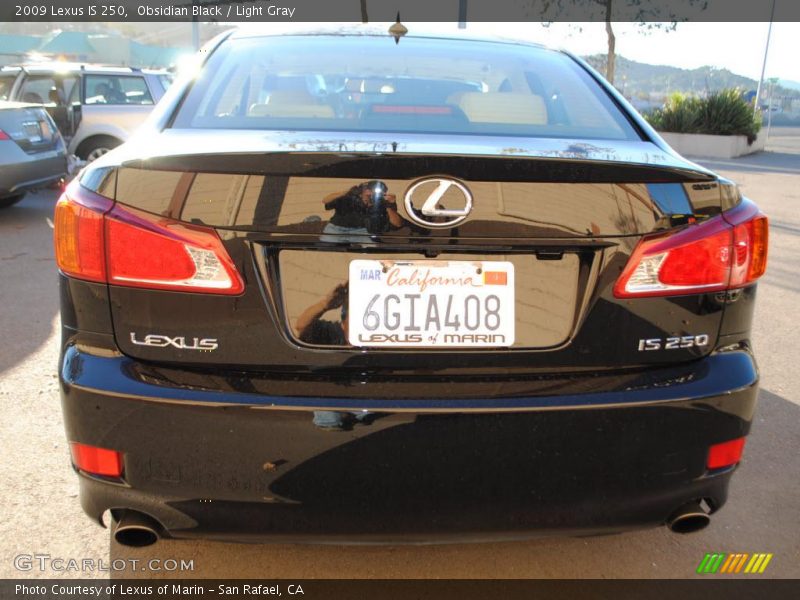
(764, 64)
(772, 81)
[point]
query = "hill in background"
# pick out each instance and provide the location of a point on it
(642, 81)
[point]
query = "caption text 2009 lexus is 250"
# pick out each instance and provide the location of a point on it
(345, 288)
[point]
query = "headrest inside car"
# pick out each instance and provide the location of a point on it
(503, 107)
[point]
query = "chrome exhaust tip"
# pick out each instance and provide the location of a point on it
(688, 518)
(136, 529)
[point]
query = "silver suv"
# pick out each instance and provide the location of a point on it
(95, 107)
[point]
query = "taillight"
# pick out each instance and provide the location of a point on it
(79, 233)
(100, 241)
(4, 136)
(155, 252)
(750, 241)
(724, 252)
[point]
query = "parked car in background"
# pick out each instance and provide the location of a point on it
(95, 107)
(32, 151)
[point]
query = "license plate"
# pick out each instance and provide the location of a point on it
(32, 131)
(431, 303)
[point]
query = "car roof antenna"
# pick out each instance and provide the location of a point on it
(398, 30)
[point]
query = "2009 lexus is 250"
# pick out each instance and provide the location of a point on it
(358, 288)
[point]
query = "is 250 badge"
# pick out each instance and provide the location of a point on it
(673, 343)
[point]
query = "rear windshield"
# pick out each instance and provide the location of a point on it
(371, 84)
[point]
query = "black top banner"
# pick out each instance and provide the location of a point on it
(231, 11)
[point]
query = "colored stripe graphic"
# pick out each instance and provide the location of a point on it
(728, 563)
(764, 564)
(710, 563)
(754, 563)
(701, 568)
(740, 564)
(735, 562)
(735, 558)
(718, 562)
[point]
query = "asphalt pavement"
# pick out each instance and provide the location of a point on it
(39, 490)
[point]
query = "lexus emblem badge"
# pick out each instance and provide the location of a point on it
(425, 202)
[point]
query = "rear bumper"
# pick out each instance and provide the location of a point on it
(249, 466)
(38, 170)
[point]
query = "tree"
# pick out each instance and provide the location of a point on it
(649, 15)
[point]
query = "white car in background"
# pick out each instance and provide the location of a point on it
(96, 108)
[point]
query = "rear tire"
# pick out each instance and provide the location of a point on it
(95, 147)
(11, 200)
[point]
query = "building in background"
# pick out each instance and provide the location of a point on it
(77, 46)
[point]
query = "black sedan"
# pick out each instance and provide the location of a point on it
(344, 288)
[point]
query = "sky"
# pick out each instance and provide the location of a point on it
(738, 47)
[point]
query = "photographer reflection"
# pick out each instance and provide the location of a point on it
(313, 329)
(365, 209)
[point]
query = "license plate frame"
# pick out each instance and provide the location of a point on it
(390, 305)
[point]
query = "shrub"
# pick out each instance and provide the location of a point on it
(722, 113)
(680, 114)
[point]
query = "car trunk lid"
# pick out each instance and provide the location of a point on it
(565, 225)
(30, 127)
